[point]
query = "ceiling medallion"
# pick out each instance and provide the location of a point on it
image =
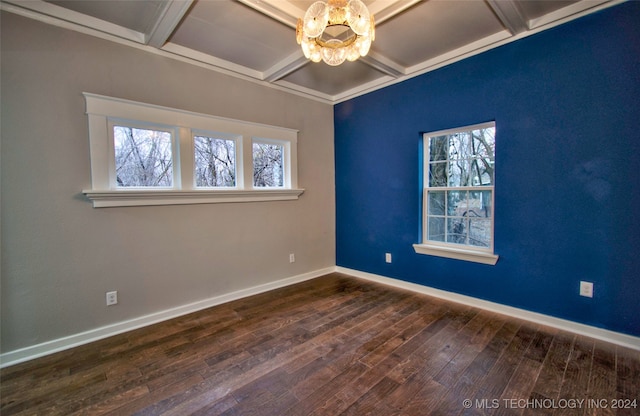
(336, 31)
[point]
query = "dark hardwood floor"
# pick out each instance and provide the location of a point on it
(332, 346)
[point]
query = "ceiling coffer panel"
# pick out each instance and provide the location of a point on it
(433, 28)
(236, 33)
(333, 80)
(257, 38)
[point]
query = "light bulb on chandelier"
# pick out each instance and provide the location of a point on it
(336, 31)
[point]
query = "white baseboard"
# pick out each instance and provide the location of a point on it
(29, 353)
(617, 338)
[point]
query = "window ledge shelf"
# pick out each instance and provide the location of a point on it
(457, 253)
(128, 198)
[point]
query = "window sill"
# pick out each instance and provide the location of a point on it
(128, 198)
(457, 253)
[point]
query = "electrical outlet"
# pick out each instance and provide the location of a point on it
(586, 289)
(112, 298)
(292, 258)
(387, 257)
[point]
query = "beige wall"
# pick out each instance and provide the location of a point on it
(60, 255)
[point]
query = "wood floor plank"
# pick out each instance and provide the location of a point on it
(553, 368)
(480, 329)
(602, 381)
(427, 401)
(318, 397)
(328, 346)
(358, 387)
(628, 381)
(368, 403)
(519, 387)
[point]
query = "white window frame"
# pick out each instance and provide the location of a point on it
(104, 112)
(286, 181)
(113, 122)
(484, 255)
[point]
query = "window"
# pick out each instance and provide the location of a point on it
(143, 154)
(215, 162)
(268, 165)
(143, 157)
(458, 215)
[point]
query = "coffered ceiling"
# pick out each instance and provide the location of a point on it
(256, 38)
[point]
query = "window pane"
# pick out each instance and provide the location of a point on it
(457, 230)
(143, 157)
(481, 172)
(438, 174)
(458, 173)
(438, 148)
(479, 232)
(456, 203)
(268, 165)
(480, 204)
(459, 146)
(484, 143)
(436, 229)
(436, 203)
(215, 162)
(484, 157)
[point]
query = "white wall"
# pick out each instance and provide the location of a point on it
(60, 255)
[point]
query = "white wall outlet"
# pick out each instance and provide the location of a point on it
(586, 289)
(292, 258)
(112, 298)
(387, 257)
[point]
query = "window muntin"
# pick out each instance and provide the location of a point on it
(143, 157)
(460, 217)
(459, 189)
(268, 164)
(215, 162)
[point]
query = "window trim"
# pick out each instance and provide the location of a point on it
(103, 111)
(457, 253)
(443, 249)
(127, 198)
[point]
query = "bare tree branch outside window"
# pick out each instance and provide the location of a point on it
(268, 165)
(215, 162)
(143, 157)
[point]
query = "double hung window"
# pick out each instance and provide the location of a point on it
(458, 215)
(144, 154)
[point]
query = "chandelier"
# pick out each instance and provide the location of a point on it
(336, 31)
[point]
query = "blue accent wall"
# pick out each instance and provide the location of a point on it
(566, 103)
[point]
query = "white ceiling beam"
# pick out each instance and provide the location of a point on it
(210, 60)
(510, 15)
(383, 64)
(383, 10)
(297, 60)
(286, 66)
(288, 13)
(305, 91)
(167, 22)
(282, 11)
